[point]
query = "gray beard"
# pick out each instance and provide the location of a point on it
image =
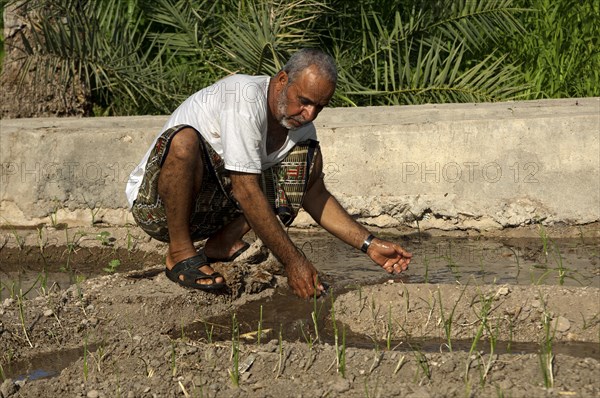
(281, 105)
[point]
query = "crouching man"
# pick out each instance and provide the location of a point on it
(243, 154)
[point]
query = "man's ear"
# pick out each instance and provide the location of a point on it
(282, 79)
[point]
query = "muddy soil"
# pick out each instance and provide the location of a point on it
(133, 333)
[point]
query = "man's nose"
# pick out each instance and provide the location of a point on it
(310, 112)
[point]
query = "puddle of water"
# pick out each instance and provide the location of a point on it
(32, 271)
(43, 366)
(290, 316)
(568, 262)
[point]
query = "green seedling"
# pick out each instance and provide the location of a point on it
(511, 333)
(11, 289)
(418, 226)
(182, 328)
(53, 219)
(42, 241)
(53, 214)
(551, 249)
(93, 210)
(562, 273)
(591, 322)
(447, 322)
(375, 317)
(307, 337)
(389, 328)
(112, 266)
(22, 317)
(315, 323)
(79, 279)
(518, 263)
(362, 302)
(406, 295)
(209, 333)
(260, 318)
(130, 242)
(340, 350)
(234, 372)
(72, 244)
(18, 239)
(104, 238)
(492, 356)
(545, 239)
(422, 366)
(546, 355)
(426, 265)
(483, 317)
(451, 263)
(99, 357)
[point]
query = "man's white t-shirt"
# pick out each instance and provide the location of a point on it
(231, 115)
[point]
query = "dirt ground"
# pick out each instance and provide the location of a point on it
(128, 334)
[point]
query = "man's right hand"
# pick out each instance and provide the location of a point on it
(302, 275)
(303, 278)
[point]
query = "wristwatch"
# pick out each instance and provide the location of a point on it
(367, 243)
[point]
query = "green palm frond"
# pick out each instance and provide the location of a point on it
(101, 45)
(189, 25)
(398, 64)
(436, 77)
(262, 34)
(476, 21)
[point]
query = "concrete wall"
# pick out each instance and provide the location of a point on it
(482, 166)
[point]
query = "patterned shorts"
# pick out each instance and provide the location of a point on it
(284, 185)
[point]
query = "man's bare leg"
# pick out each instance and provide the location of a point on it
(178, 184)
(228, 240)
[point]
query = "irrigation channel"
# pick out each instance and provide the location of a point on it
(451, 279)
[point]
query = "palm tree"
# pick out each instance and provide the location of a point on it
(142, 56)
(102, 45)
(410, 52)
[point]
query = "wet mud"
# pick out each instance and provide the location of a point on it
(89, 313)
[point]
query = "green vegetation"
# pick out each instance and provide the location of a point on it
(145, 57)
(234, 372)
(559, 55)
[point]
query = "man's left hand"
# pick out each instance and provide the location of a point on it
(390, 256)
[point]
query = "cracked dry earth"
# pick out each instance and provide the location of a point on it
(130, 334)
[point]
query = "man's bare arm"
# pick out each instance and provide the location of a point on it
(324, 208)
(327, 211)
(301, 274)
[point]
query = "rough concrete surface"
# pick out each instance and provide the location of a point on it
(453, 166)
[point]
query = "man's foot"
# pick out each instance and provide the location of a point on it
(173, 259)
(187, 273)
(216, 253)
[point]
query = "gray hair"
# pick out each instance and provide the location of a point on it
(306, 57)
